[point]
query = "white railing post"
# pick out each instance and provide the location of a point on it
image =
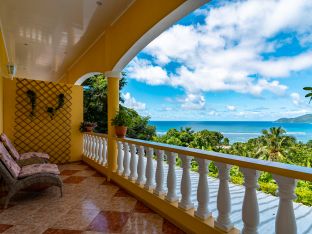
(149, 184)
(126, 170)
(100, 148)
(84, 144)
(203, 211)
(104, 150)
(119, 158)
(223, 221)
(285, 218)
(159, 190)
(171, 178)
(133, 163)
(186, 186)
(89, 146)
(140, 179)
(250, 212)
(93, 147)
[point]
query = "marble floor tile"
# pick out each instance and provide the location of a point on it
(62, 231)
(66, 172)
(74, 179)
(4, 227)
(109, 221)
(143, 223)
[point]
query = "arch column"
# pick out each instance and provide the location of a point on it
(113, 78)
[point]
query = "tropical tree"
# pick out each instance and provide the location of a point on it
(309, 95)
(272, 144)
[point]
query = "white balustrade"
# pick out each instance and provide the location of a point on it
(159, 190)
(126, 165)
(99, 150)
(133, 163)
(186, 186)
(150, 184)
(89, 146)
(119, 158)
(223, 221)
(203, 211)
(285, 222)
(92, 147)
(250, 212)
(140, 168)
(171, 178)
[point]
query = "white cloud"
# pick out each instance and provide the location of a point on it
(231, 108)
(193, 102)
(295, 98)
(130, 102)
(226, 52)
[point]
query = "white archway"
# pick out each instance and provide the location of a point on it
(86, 76)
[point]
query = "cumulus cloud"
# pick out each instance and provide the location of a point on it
(231, 108)
(228, 51)
(130, 102)
(193, 102)
(295, 98)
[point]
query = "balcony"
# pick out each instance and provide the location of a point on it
(148, 170)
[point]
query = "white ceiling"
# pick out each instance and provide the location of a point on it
(44, 37)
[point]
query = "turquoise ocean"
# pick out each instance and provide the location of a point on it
(238, 131)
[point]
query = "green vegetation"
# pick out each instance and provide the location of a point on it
(272, 145)
(95, 109)
(122, 118)
(300, 119)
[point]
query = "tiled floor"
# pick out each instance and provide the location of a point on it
(90, 205)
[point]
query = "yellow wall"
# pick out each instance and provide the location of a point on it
(3, 73)
(76, 115)
(131, 26)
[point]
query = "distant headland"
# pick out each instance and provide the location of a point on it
(300, 119)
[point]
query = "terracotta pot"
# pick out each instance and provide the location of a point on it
(89, 128)
(120, 131)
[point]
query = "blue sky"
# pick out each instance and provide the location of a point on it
(228, 60)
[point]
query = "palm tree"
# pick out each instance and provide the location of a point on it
(309, 94)
(272, 144)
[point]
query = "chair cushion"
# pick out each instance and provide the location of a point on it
(9, 162)
(37, 169)
(34, 155)
(9, 146)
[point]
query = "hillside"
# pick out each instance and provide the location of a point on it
(300, 119)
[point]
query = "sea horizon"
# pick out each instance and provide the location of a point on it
(236, 131)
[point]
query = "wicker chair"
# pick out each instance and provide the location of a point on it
(17, 178)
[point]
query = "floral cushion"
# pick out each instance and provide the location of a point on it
(9, 146)
(9, 162)
(34, 155)
(38, 168)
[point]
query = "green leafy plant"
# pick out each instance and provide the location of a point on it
(84, 125)
(122, 118)
(32, 97)
(60, 103)
(309, 95)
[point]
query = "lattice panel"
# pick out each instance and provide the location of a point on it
(40, 133)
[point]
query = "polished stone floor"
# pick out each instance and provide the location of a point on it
(90, 205)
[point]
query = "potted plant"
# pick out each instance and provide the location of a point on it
(121, 121)
(87, 126)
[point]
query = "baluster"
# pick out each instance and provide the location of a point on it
(92, 147)
(203, 211)
(285, 218)
(84, 145)
(159, 190)
(104, 151)
(119, 158)
(250, 212)
(100, 148)
(171, 178)
(133, 163)
(186, 185)
(223, 221)
(149, 184)
(89, 146)
(126, 165)
(140, 171)
(96, 156)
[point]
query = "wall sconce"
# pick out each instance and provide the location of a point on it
(11, 70)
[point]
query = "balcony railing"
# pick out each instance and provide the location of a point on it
(136, 160)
